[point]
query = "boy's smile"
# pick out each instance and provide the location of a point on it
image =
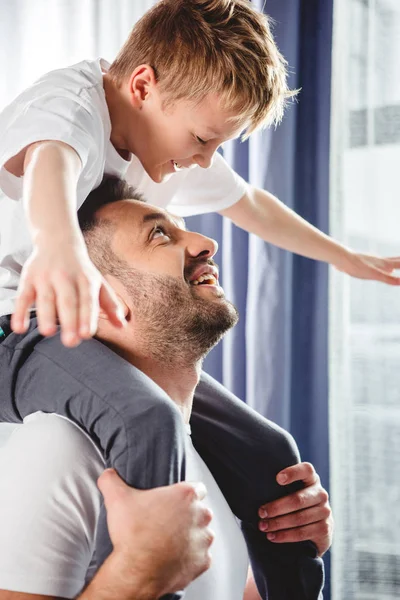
(166, 138)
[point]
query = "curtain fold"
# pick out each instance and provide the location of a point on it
(276, 358)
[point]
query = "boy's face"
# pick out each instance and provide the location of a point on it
(169, 137)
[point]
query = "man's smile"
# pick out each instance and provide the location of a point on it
(205, 275)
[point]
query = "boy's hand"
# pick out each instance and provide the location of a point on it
(66, 287)
(366, 266)
(304, 515)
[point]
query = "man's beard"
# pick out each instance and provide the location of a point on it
(175, 323)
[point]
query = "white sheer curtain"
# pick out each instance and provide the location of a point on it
(365, 323)
(37, 36)
(41, 35)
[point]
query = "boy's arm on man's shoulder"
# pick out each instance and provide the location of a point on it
(17, 164)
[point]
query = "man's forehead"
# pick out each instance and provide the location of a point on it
(138, 214)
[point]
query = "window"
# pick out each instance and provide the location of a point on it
(365, 316)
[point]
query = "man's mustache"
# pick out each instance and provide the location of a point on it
(190, 269)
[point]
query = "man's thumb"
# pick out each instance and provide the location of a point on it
(111, 485)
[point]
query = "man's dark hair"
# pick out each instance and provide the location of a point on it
(98, 230)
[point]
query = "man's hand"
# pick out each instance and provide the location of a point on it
(366, 266)
(160, 536)
(304, 515)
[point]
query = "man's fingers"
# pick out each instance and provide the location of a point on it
(110, 305)
(309, 532)
(111, 486)
(296, 519)
(25, 299)
(305, 498)
(300, 472)
(199, 489)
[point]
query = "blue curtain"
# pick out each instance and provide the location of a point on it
(276, 357)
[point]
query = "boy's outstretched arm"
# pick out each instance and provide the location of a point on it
(261, 213)
(58, 277)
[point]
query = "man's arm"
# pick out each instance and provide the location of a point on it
(251, 591)
(48, 492)
(148, 562)
(261, 213)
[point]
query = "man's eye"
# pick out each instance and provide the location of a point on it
(202, 142)
(159, 231)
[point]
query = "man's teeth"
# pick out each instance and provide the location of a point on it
(210, 278)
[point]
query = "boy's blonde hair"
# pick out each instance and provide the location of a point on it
(197, 47)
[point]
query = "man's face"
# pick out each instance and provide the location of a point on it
(170, 280)
(180, 135)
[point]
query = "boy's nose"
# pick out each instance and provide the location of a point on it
(205, 158)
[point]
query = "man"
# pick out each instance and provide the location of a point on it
(166, 280)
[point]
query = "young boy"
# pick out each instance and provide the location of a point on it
(192, 74)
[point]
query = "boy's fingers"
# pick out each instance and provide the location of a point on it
(381, 275)
(67, 302)
(88, 310)
(46, 310)
(25, 299)
(109, 303)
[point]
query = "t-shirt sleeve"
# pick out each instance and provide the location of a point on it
(49, 504)
(50, 116)
(208, 190)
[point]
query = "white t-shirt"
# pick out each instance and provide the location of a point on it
(49, 502)
(69, 105)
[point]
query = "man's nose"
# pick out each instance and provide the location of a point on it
(199, 245)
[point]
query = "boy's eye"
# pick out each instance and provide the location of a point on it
(203, 142)
(159, 231)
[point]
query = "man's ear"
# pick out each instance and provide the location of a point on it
(141, 83)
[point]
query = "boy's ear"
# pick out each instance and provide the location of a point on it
(141, 83)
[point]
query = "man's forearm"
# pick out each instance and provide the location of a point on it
(116, 580)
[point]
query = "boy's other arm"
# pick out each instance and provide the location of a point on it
(58, 276)
(261, 213)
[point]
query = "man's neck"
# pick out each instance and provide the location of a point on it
(178, 379)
